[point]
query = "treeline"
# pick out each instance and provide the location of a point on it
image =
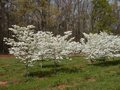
(59, 16)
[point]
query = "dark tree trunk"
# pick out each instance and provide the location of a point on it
(3, 26)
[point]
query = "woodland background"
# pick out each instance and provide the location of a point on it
(59, 16)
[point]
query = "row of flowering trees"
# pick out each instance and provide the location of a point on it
(30, 46)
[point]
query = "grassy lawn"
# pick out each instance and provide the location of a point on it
(69, 75)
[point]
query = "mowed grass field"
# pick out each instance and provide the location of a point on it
(69, 75)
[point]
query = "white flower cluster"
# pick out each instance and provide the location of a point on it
(29, 46)
(101, 45)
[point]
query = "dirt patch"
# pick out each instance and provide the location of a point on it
(61, 86)
(2, 74)
(6, 55)
(4, 65)
(16, 81)
(90, 79)
(3, 83)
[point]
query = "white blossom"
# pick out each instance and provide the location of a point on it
(30, 47)
(101, 45)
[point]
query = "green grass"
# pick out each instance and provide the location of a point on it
(69, 75)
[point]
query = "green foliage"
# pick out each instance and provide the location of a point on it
(102, 16)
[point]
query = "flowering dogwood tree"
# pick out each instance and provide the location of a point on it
(30, 47)
(100, 45)
(53, 47)
(23, 44)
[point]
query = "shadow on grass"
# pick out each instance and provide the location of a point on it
(108, 63)
(51, 66)
(41, 74)
(53, 71)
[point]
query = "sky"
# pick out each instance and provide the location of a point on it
(114, 0)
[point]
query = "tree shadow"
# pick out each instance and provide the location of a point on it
(108, 63)
(51, 66)
(41, 74)
(68, 70)
(53, 71)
